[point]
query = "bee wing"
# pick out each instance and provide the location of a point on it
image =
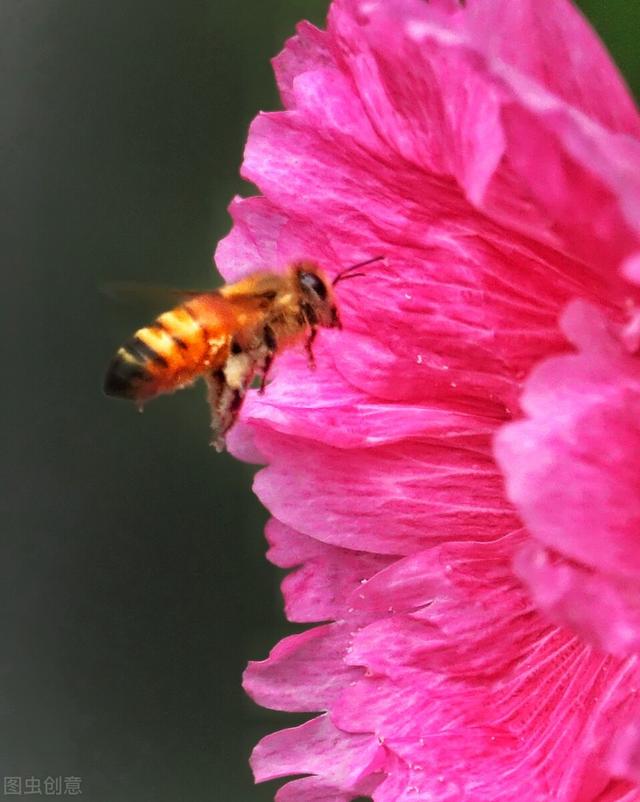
(137, 292)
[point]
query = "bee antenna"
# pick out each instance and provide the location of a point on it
(343, 275)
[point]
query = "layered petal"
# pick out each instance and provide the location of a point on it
(602, 608)
(326, 575)
(564, 135)
(317, 747)
(303, 672)
(400, 498)
(459, 286)
(322, 406)
(472, 696)
(572, 470)
(573, 467)
(466, 658)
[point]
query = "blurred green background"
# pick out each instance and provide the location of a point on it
(133, 583)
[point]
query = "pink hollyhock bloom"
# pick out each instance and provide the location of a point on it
(481, 616)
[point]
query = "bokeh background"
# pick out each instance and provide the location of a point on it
(133, 586)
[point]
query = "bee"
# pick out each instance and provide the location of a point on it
(229, 336)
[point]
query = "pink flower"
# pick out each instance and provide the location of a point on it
(480, 645)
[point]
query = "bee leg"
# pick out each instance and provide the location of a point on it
(268, 361)
(216, 390)
(309, 347)
(270, 345)
(227, 388)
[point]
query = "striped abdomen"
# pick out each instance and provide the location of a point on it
(164, 356)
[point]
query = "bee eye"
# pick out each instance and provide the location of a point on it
(312, 282)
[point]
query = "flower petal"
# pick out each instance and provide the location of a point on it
(532, 38)
(460, 309)
(264, 237)
(601, 609)
(319, 590)
(241, 443)
(565, 141)
(322, 406)
(303, 672)
(443, 137)
(316, 747)
(314, 789)
(487, 702)
(308, 51)
(401, 497)
(572, 468)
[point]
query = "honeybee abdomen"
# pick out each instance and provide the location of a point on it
(159, 358)
(128, 375)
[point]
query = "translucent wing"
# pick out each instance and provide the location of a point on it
(137, 292)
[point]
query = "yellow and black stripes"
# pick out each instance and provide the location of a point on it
(161, 357)
(159, 327)
(143, 352)
(131, 371)
(182, 328)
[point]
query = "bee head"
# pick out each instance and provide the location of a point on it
(318, 304)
